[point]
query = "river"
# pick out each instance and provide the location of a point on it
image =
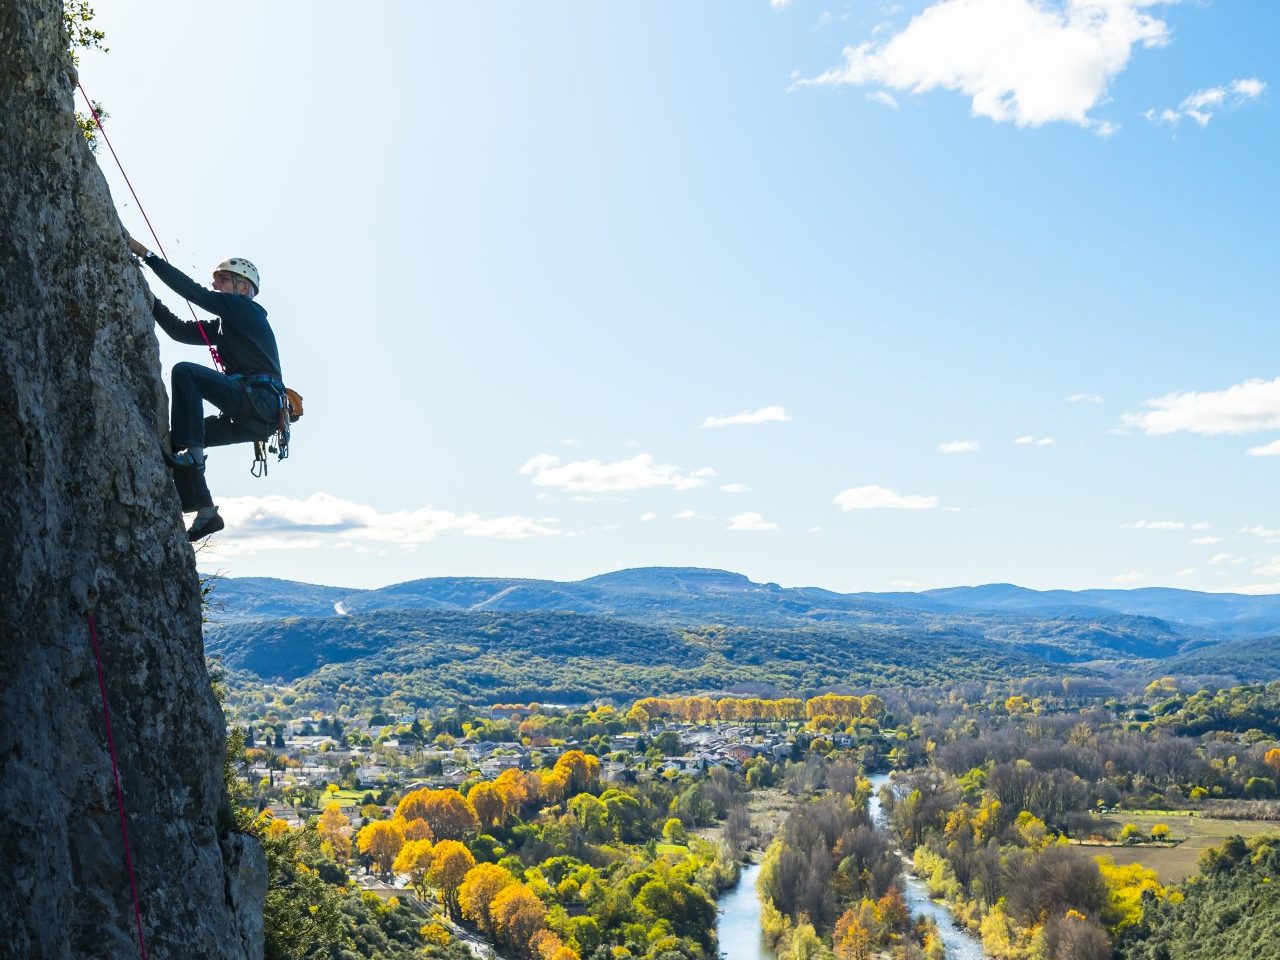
(960, 944)
(738, 925)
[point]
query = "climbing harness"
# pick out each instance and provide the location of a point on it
(288, 410)
(115, 771)
(213, 351)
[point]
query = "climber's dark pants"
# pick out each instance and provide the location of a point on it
(192, 385)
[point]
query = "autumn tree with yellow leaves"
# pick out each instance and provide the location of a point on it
(476, 893)
(450, 863)
(381, 840)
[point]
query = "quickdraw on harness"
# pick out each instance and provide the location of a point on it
(288, 410)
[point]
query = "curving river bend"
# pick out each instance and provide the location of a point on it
(738, 924)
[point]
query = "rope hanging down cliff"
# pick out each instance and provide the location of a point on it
(213, 351)
(115, 772)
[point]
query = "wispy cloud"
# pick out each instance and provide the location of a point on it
(1084, 398)
(748, 417)
(1133, 576)
(751, 521)
(875, 497)
(647, 517)
(1266, 534)
(1154, 525)
(1030, 441)
(1203, 104)
(1271, 449)
(1246, 407)
(1020, 61)
(1205, 541)
(958, 446)
(256, 524)
(684, 515)
(595, 476)
(884, 98)
(734, 487)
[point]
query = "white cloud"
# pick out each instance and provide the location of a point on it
(750, 521)
(1133, 576)
(1023, 61)
(1084, 398)
(646, 517)
(1200, 526)
(1263, 533)
(1186, 572)
(1154, 525)
(1220, 558)
(1205, 541)
(1269, 569)
(594, 476)
(1029, 441)
(779, 4)
(815, 529)
(734, 488)
(904, 585)
(884, 98)
(257, 524)
(1271, 449)
(876, 497)
(1246, 407)
(750, 417)
(1251, 88)
(684, 515)
(958, 446)
(1203, 104)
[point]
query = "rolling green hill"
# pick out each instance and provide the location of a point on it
(687, 630)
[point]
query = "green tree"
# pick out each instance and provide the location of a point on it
(673, 831)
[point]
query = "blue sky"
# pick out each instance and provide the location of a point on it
(520, 257)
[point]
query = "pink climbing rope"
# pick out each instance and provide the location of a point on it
(213, 351)
(115, 770)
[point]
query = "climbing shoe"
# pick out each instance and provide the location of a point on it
(185, 460)
(202, 528)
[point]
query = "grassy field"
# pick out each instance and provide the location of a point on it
(1191, 835)
(344, 798)
(768, 808)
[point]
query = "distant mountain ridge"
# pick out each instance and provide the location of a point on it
(693, 595)
(682, 629)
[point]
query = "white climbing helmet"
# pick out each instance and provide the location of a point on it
(241, 268)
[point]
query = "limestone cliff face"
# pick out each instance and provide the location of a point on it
(89, 523)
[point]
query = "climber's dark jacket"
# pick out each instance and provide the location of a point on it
(243, 336)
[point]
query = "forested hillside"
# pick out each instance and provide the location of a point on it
(474, 640)
(1232, 910)
(428, 659)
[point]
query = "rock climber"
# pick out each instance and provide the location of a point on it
(249, 395)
